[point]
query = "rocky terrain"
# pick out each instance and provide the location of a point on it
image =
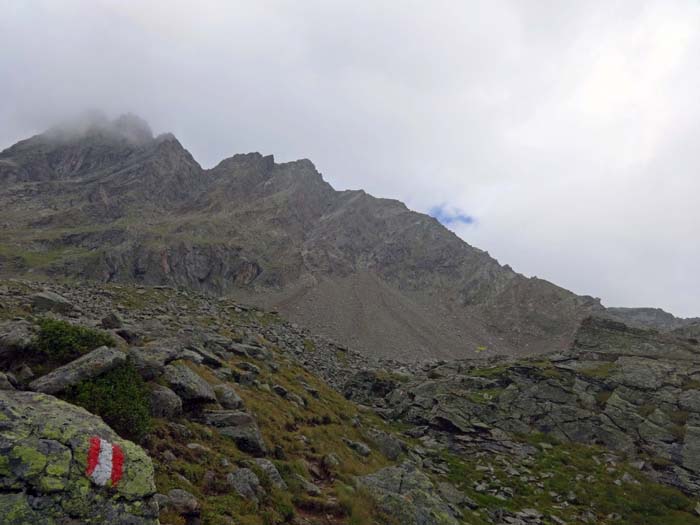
(227, 413)
(655, 318)
(246, 345)
(107, 201)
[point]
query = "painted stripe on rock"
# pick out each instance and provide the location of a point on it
(117, 464)
(104, 462)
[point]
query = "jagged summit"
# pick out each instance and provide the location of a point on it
(650, 318)
(127, 127)
(133, 129)
(124, 206)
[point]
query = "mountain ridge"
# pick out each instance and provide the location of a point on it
(116, 204)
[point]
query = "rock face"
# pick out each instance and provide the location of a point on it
(90, 365)
(43, 459)
(50, 302)
(188, 385)
(650, 318)
(408, 495)
(633, 390)
(369, 272)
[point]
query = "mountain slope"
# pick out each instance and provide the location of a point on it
(108, 201)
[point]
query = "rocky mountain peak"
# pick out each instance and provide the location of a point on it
(367, 271)
(94, 125)
(133, 129)
(244, 162)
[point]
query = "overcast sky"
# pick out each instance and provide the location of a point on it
(562, 137)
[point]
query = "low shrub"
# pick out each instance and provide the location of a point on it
(120, 397)
(60, 342)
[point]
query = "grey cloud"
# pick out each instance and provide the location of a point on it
(567, 129)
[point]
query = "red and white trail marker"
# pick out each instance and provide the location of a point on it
(105, 462)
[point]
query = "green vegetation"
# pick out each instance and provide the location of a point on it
(547, 370)
(359, 506)
(39, 259)
(492, 372)
(484, 396)
(602, 371)
(602, 397)
(692, 384)
(59, 342)
(646, 409)
(299, 437)
(120, 397)
(577, 474)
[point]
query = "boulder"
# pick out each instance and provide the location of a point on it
(90, 365)
(131, 337)
(240, 427)
(44, 449)
(228, 397)
(150, 361)
(206, 357)
(164, 402)
(330, 461)
(307, 486)
(386, 443)
(188, 384)
(245, 483)
(50, 302)
(361, 448)
(366, 386)
(407, 494)
(182, 502)
(15, 336)
(273, 475)
(112, 321)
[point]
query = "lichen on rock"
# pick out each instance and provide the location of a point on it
(44, 445)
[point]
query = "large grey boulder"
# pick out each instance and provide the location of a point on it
(361, 448)
(228, 397)
(188, 384)
(245, 483)
(50, 302)
(273, 475)
(112, 321)
(15, 336)
(90, 365)
(407, 494)
(44, 445)
(240, 426)
(184, 503)
(164, 402)
(387, 444)
(149, 364)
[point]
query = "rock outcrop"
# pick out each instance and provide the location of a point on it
(635, 391)
(234, 408)
(44, 448)
(408, 495)
(91, 365)
(108, 201)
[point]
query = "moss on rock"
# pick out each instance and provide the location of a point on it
(44, 459)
